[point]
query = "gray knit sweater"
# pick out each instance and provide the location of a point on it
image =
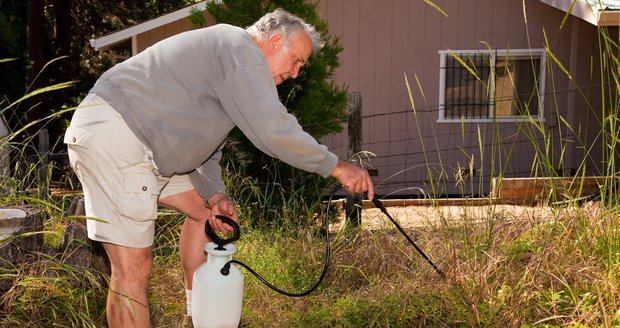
(183, 95)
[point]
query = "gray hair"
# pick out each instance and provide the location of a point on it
(285, 23)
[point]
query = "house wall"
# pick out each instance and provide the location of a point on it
(387, 41)
(150, 37)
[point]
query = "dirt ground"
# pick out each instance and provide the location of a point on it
(412, 216)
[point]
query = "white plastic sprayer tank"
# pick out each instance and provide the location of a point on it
(217, 298)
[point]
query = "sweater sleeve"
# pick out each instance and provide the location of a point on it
(207, 179)
(250, 99)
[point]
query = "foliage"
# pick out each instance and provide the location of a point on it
(277, 204)
(318, 103)
(196, 17)
(11, 31)
(67, 26)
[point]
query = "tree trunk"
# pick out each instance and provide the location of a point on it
(19, 240)
(36, 36)
(36, 54)
(64, 22)
(63, 70)
(82, 253)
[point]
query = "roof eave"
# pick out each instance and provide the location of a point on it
(127, 33)
(578, 9)
(586, 12)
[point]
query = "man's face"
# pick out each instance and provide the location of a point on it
(286, 57)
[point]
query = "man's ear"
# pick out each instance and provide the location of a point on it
(275, 41)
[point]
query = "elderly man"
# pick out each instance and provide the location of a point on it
(151, 132)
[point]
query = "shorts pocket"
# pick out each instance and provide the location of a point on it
(139, 200)
(75, 136)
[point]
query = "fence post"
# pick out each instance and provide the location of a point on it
(44, 148)
(354, 201)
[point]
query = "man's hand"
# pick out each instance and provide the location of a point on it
(354, 178)
(220, 204)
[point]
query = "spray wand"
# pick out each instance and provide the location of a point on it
(380, 206)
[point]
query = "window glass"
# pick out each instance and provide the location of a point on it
(485, 85)
(516, 87)
(466, 93)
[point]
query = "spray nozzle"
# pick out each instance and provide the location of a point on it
(216, 238)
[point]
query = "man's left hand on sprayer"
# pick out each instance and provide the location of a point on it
(220, 204)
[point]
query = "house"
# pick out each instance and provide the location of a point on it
(455, 93)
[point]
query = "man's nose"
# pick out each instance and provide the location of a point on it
(295, 71)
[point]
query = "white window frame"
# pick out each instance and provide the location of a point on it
(494, 54)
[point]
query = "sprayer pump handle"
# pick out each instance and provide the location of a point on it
(216, 238)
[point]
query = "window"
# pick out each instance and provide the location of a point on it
(483, 85)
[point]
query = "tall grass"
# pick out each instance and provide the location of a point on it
(279, 204)
(553, 270)
(536, 272)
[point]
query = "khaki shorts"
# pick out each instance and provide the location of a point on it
(120, 181)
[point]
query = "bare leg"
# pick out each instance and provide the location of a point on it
(127, 303)
(191, 248)
(193, 238)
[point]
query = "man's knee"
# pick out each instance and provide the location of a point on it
(130, 264)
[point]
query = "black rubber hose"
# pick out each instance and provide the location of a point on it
(325, 263)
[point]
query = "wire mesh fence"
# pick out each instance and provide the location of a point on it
(414, 153)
